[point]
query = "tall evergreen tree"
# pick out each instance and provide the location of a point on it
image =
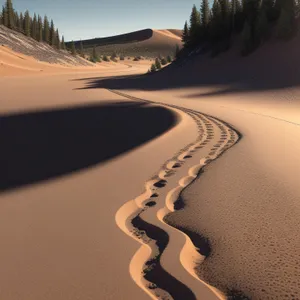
(16, 20)
(27, 24)
(205, 13)
(52, 34)
(195, 25)
(81, 49)
(185, 35)
(63, 45)
(216, 22)
(40, 29)
(57, 39)
(46, 32)
(73, 49)
(226, 20)
(21, 23)
(10, 14)
(34, 27)
(4, 16)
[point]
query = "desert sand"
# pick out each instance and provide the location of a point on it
(133, 187)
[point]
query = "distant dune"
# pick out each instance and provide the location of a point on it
(148, 43)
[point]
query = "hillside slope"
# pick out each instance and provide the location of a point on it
(40, 51)
(148, 43)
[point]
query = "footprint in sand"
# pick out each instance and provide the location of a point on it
(160, 184)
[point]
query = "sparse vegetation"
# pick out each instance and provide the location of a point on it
(153, 68)
(157, 64)
(114, 56)
(105, 58)
(94, 56)
(163, 61)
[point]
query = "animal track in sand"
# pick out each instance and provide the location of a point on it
(168, 253)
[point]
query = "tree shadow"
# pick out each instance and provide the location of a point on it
(36, 146)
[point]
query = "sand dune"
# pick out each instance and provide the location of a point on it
(148, 43)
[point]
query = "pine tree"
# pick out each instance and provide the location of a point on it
(40, 29)
(4, 16)
(27, 28)
(185, 35)
(94, 57)
(216, 22)
(153, 68)
(226, 21)
(10, 14)
(195, 25)
(63, 45)
(205, 14)
(46, 33)
(157, 64)
(73, 49)
(81, 52)
(34, 28)
(21, 23)
(16, 20)
(169, 59)
(57, 39)
(52, 34)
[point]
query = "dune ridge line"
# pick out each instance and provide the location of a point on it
(164, 266)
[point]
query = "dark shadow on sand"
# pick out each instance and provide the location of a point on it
(37, 146)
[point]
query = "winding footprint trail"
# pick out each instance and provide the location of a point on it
(164, 264)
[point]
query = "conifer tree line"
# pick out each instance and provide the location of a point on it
(255, 20)
(40, 29)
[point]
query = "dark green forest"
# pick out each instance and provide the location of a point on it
(254, 21)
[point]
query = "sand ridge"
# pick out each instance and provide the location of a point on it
(164, 265)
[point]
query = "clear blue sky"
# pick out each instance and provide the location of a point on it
(81, 19)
